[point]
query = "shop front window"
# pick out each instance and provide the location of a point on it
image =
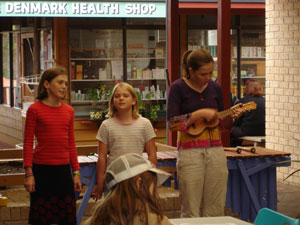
(46, 49)
(247, 47)
(204, 39)
(146, 63)
(17, 68)
(11, 89)
(6, 68)
(252, 58)
(101, 57)
(96, 64)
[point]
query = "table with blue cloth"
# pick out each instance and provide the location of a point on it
(251, 182)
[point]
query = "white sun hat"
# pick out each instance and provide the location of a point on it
(130, 165)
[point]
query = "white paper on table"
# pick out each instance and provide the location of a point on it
(207, 224)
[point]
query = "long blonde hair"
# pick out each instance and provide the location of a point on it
(126, 201)
(112, 109)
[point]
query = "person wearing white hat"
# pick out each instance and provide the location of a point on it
(132, 196)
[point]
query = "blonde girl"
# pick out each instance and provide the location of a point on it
(124, 132)
(132, 199)
(48, 165)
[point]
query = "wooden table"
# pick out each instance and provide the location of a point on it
(251, 181)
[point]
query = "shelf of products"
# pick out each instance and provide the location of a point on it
(96, 64)
(252, 61)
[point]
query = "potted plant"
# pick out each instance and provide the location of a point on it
(96, 95)
(153, 111)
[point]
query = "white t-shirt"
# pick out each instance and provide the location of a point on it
(125, 138)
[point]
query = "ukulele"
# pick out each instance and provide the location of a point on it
(199, 125)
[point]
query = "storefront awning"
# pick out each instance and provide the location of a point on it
(238, 8)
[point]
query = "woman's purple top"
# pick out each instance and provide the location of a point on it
(182, 101)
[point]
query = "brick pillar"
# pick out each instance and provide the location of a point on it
(282, 81)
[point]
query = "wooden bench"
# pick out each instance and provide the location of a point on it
(253, 140)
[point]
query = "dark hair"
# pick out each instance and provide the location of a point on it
(195, 59)
(253, 88)
(49, 75)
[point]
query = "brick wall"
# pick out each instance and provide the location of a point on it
(14, 215)
(19, 215)
(282, 81)
(10, 125)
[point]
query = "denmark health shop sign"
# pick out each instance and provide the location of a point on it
(82, 9)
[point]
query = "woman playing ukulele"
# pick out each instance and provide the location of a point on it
(201, 163)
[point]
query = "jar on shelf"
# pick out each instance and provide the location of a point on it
(108, 70)
(134, 72)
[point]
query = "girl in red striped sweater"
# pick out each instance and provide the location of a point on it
(48, 165)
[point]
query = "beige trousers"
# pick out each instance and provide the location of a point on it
(202, 179)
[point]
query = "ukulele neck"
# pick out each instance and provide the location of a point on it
(225, 113)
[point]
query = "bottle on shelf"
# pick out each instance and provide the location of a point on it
(85, 73)
(134, 73)
(108, 70)
(128, 70)
(102, 54)
(139, 73)
(102, 74)
(157, 93)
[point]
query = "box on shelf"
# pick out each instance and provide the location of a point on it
(3, 201)
(139, 73)
(79, 72)
(135, 45)
(73, 70)
(158, 73)
(102, 74)
(147, 74)
(159, 53)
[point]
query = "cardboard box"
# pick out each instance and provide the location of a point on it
(147, 74)
(73, 71)
(159, 53)
(79, 72)
(102, 74)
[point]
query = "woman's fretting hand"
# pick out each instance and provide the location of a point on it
(209, 114)
(237, 111)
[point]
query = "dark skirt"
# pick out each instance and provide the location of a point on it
(53, 201)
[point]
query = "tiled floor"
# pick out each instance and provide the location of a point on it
(288, 199)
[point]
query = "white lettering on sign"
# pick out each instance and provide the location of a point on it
(36, 8)
(95, 8)
(81, 8)
(139, 9)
